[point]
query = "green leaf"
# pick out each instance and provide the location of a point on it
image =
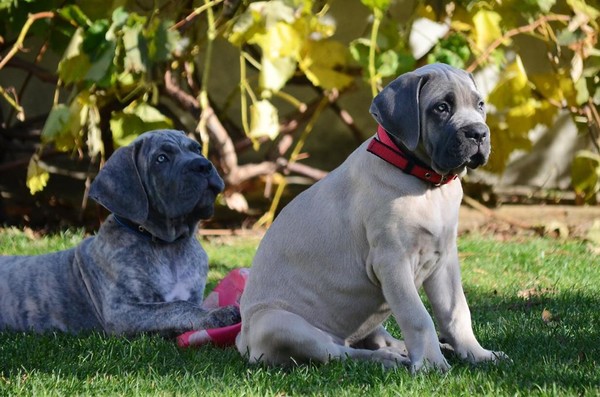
(119, 18)
(135, 119)
(162, 41)
(264, 120)
(74, 64)
(74, 15)
(57, 128)
(579, 6)
(387, 63)
(134, 45)
(381, 5)
(95, 37)
(453, 50)
(585, 174)
(37, 176)
(101, 68)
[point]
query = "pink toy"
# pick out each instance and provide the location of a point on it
(227, 292)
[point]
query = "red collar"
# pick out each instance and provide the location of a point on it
(383, 147)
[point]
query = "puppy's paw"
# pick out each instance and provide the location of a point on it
(500, 356)
(390, 358)
(426, 366)
(482, 355)
(224, 316)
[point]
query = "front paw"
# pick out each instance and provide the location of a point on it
(224, 316)
(425, 366)
(483, 355)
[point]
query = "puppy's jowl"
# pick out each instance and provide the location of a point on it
(144, 271)
(357, 246)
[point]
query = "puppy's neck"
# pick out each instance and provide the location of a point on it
(396, 154)
(142, 231)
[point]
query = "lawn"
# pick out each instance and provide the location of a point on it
(535, 299)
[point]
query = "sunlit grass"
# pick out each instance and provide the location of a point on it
(535, 299)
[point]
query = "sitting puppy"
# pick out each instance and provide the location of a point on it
(145, 270)
(357, 246)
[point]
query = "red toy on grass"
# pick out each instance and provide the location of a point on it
(227, 292)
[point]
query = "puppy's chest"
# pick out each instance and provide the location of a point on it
(179, 279)
(434, 248)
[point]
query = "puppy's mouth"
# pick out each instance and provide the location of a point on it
(477, 160)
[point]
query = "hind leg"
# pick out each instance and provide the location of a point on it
(278, 337)
(381, 339)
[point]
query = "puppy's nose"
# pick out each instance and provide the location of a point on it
(202, 166)
(477, 132)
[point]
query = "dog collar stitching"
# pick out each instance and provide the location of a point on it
(137, 229)
(383, 147)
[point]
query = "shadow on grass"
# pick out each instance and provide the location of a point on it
(559, 352)
(552, 339)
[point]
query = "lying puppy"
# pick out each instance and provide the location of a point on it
(144, 271)
(356, 247)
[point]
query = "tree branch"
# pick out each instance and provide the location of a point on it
(19, 43)
(513, 32)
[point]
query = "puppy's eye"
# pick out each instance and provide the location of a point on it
(162, 158)
(442, 107)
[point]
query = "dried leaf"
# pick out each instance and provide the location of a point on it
(593, 234)
(535, 292)
(556, 229)
(237, 202)
(549, 318)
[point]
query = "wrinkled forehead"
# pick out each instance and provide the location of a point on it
(160, 139)
(453, 86)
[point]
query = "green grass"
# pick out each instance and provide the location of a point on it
(557, 357)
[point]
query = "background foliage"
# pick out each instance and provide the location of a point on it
(129, 66)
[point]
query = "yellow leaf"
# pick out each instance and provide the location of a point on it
(427, 11)
(462, 21)
(279, 40)
(526, 116)
(37, 177)
(557, 87)
(513, 87)
(487, 28)
(321, 62)
(264, 120)
(276, 72)
(504, 142)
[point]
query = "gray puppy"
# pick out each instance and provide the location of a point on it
(145, 270)
(357, 246)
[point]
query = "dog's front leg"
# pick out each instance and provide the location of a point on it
(166, 318)
(446, 295)
(400, 292)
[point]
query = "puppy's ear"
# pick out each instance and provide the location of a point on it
(396, 108)
(118, 186)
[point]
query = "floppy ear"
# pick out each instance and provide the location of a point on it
(396, 108)
(118, 186)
